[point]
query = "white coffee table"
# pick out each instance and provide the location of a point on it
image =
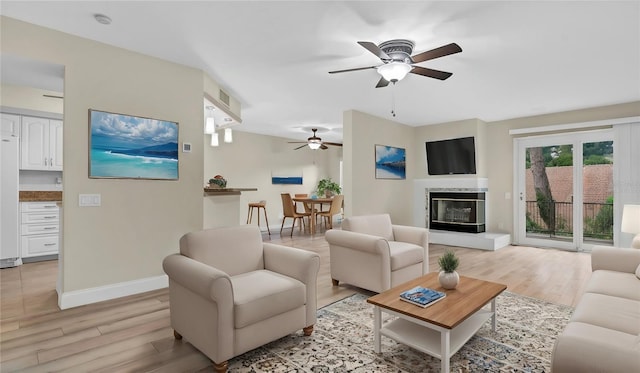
(441, 329)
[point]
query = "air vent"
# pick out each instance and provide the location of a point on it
(224, 97)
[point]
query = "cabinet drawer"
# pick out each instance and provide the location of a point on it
(27, 229)
(44, 244)
(39, 217)
(38, 206)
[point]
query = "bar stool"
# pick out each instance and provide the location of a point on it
(259, 205)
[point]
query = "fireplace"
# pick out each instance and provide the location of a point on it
(457, 211)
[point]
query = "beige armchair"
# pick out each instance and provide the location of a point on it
(229, 292)
(372, 253)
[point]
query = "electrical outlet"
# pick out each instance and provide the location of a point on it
(89, 200)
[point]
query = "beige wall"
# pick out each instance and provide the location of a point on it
(364, 193)
(248, 162)
(12, 96)
(140, 221)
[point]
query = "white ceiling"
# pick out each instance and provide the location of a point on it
(519, 58)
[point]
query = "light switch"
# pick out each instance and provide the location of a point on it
(89, 200)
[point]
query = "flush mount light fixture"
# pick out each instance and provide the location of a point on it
(394, 71)
(101, 18)
(228, 135)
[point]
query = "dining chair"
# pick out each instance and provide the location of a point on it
(334, 209)
(289, 211)
(307, 207)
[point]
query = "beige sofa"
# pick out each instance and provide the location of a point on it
(229, 292)
(372, 253)
(603, 334)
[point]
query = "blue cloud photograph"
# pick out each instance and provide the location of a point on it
(124, 146)
(390, 162)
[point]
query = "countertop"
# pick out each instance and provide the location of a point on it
(227, 191)
(39, 195)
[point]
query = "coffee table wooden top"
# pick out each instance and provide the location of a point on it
(468, 297)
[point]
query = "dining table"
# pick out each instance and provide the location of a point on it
(311, 202)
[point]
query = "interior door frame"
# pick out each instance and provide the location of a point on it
(576, 139)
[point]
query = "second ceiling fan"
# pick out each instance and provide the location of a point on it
(314, 142)
(398, 61)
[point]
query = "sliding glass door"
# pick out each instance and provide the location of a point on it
(564, 187)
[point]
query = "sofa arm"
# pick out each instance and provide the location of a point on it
(415, 235)
(204, 280)
(615, 259)
(300, 264)
(358, 241)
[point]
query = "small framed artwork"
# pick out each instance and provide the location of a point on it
(129, 147)
(390, 162)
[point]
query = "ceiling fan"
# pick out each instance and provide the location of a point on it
(314, 142)
(398, 61)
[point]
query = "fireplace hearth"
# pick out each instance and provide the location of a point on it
(457, 211)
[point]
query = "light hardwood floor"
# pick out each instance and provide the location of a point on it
(133, 334)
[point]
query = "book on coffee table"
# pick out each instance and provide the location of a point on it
(421, 296)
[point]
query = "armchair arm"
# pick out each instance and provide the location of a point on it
(207, 281)
(615, 259)
(358, 241)
(300, 264)
(414, 235)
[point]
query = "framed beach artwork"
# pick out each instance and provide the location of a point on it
(390, 162)
(128, 147)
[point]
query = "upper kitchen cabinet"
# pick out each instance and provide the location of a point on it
(41, 144)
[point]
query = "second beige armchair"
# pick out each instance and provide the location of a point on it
(372, 253)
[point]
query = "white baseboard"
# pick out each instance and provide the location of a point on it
(77, 298)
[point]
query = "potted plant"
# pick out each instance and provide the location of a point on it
(448, 276)
(327, 187)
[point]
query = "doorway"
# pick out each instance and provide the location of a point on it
(565, 190)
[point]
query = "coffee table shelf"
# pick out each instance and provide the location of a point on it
(428, 339)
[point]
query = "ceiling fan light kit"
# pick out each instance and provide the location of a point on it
(394, 71)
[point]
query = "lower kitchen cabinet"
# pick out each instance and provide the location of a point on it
(39, 228)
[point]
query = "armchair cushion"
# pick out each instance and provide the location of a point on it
(262, 294)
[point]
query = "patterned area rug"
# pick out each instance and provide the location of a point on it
(342, 341)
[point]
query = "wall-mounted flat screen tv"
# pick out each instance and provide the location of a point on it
(451, 157)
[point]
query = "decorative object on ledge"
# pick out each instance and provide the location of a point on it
(448, 277)
(217, 182)
(390, 162)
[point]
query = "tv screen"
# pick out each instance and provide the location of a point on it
(451, 157)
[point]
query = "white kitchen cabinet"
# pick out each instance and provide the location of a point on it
(39, 228)
(41, 144)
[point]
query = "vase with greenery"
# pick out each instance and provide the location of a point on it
(327, 187)
(448, 276)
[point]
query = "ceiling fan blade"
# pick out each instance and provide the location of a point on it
(300, 147)
(436, 74)
(375, 50)
(382, 83)
(445, 50)
(355, 69)
(297, 142)
(332, 143)
(324, 147)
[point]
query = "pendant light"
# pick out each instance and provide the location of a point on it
(228, 135)
(214, 139)
(210, 125)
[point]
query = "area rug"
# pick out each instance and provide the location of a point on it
(342, 341)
